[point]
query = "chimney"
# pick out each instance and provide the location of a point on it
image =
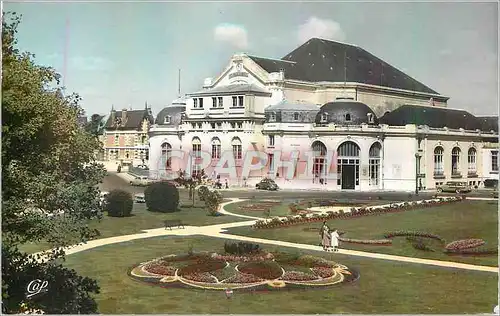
(113, 114)
(124, 115)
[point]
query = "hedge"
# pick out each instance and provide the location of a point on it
(162, 197)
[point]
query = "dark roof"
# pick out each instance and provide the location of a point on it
(488, 123)
(234, 88)
(82, 120)
(323, 60)
(436, 117)
(134, 119)
(346, 112)
(174, 111)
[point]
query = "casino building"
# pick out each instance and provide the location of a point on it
(342, 118)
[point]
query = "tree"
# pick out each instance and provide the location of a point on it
(191, 182)
(119, 203)
(94, 125)
(212, 199)
(49, 179)
(162, 197)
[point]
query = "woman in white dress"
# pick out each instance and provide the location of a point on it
(334, 240)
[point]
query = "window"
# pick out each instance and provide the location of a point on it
(236, 143)
(374, 164)
(233, 125)
(216, 148)
(324, 117)
(221, 102)
(270, 159)
(200, 102)
(235, 102)
(494, 160)
(214, 102)
(455, 160)
(212, 125)
(295, 116)
(117, 139)
(219, 125)
(271, 140)
(348, 117)
(196, 142)
(471, 161)
(193, 125)
(143, 140)
(319, 162)
(195, 103)
(199, 125)
(166, 120)
(272, 117)
(240, 101)
(239, 124)
(370, 117)
(438, 161)
(166, 155)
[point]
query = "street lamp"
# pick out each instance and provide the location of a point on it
(417, 171)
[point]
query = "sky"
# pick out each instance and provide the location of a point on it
(126, 54)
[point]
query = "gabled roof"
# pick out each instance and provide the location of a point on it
(436, 117)
(134, 119)
(323, 60)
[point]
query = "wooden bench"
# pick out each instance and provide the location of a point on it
(173, 223)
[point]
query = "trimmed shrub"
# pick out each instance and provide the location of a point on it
(119, 203)
(162, 197)
(202, 192)
(241, 248)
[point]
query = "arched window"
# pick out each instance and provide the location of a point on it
(272, 117)
(374, 164)
(455, 160)
(348, 149)
(237, 150)
(166, 154)
(348, 117)
(438, 161)
(319, 162)
(471, 161)
(295, 116)
(167, 119)
(196, 142)
(216, 148)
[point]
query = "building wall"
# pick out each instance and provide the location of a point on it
(488, 172)
(399, 168)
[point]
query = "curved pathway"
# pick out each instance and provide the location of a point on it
(218, 230)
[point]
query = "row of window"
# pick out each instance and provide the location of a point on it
(131, 139)
(455, 161)
(218, 125)
(323, 119)
(218, 102)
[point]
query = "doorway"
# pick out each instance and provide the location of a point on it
(348, 177)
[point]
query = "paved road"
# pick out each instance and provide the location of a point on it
(113, 181)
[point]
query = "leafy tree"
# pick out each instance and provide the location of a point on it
(94, 125)
(119, 203)
(212, 199)
(191, 182)
(49, 179)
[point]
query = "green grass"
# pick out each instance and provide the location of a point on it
(142, 219)
(283, 209)
(470, 219)
(384, 286)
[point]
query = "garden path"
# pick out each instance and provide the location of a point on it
(219, 229)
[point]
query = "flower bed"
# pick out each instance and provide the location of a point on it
(354, 213)
(201, 277)
(267, 270)
(248, 258)
(367, 241)
(243, 278)
(160, 269)
(400, 233)
(472, 251)
(323, 272)
(313, 262)
(200, 267)
(298, 276)
(464, 244)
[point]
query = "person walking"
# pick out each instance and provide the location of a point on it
(325, 236)
(334, 240)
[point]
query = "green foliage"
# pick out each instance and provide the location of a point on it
(212, 200)
(202, 192)
(162, 197)
(119, 203)
(191, 182)
(94, 126)
(48, 168)
(241, 248)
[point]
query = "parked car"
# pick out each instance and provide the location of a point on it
(140, 181)
(144, 167)
(267, 184)
(452, 186)
(139, 198)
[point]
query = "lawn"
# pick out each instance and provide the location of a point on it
(469, 219)
(141, 219)
(283, 209)
(384, 286)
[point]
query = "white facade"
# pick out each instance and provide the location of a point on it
(228, 115)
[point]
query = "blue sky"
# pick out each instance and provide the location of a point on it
(129, 53)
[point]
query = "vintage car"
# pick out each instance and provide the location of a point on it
(454, 186)
(141, 181)
(267, 184)
(139, 198)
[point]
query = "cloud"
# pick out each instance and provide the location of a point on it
(316, 27)
(233, 34)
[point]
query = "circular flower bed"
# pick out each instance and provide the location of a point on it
(209, 271)
(464, 244)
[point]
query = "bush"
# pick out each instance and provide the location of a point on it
(119, 203)
(202, 192)
(241, 248)
(212, 201)
(162, 197)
